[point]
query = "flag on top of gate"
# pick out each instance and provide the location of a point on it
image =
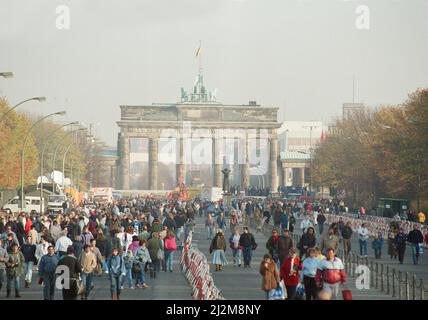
(199, 50)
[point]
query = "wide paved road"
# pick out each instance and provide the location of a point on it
(245, 284)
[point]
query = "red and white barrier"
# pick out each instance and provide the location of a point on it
(196, 269)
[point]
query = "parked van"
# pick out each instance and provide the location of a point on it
(31, 203)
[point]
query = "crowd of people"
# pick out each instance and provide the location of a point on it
(123, 240)
(135, 238)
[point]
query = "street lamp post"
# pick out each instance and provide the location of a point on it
(54, 158)
(61, 113)
(48, 138)
(310, 153)
(40, 99)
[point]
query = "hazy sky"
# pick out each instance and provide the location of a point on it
(297, 53)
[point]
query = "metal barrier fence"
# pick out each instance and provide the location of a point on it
(398, 284)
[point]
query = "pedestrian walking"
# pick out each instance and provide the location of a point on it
(308, 273)
(47, 276)
(236, 247)
(321, 220)
(142, 257)
(170, 247)
(248, 245)
(270, 275)
(363, 236)
(377, 245)
(392, 249)
(331, 273)
(290, 273)
(346, 236)
(308, 240)
(14, 270)
(29, 251)
(70, 263)
(285, 243)
(88, 262)
(4, 257)
(416, 239)
(329, 240)
(156, 250)
(116, 270)
(272, 246)
(128, 260)
(218, 249)
(400, 244)
(210, 225)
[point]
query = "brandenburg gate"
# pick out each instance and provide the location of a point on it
(199, 114)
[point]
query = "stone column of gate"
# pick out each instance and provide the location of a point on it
(273, 161)
(302, 176)
(124, 157)
(245, 167)
(179, 167)
(153, 163)
(284, 175)
(218, 158)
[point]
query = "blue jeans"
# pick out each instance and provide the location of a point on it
(363, 247)
(236, 256)
(28, 271)
(169, 259)
(180, 232)
(247, 252)
(87, 282)
(115, 281)
(140, 277)
(127, 277)
(415, 252)
(377, 253)
(49, 288)
(321, 228)
(210, 232)
(14, 280)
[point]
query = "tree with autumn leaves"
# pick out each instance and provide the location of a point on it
(377, 153)
(12, 132)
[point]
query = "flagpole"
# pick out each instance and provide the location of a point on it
(200, 58)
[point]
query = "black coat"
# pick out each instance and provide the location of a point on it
(29, 252)
(247, 240)
(415, 236)
(307, 240)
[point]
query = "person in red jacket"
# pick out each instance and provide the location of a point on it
(290, 273)
(330, 273)
(28, 224)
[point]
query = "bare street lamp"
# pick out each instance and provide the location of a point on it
(39, 99)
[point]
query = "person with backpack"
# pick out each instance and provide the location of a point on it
(170, 247)
(14, 269)
(116, 269)
(217, 249)
(248, 244)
